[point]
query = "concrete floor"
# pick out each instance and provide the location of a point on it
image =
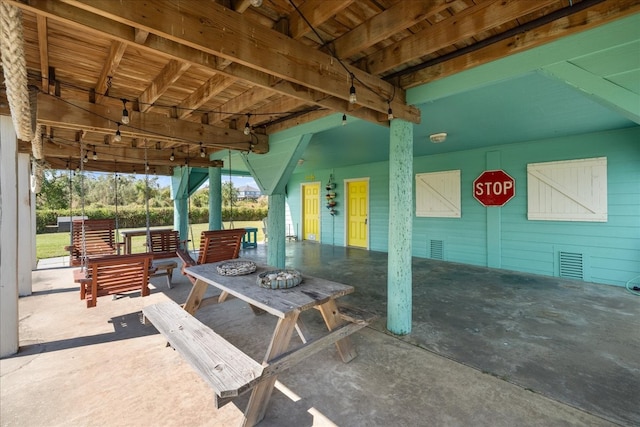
(488, 348)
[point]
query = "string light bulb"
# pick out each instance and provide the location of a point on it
(352, 92)
(389, 113)
(203, 154)
(95, 155)
(125, 113)
(86, 158)
(172, 157)
(247, 126)
(118, 136)
(344, 119)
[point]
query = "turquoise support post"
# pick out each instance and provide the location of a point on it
(181, 217)
(215, 198)
(400, 227)
(275, 227)
(180, 194)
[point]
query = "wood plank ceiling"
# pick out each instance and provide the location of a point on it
(192, 73)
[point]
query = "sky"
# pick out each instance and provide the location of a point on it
(238, 181)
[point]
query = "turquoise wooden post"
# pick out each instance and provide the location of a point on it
(275, 227)
(181, 216)
(180, 193)
(215, 198)
(400, 227)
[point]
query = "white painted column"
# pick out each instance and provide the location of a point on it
(8, 242)
(34, 256)
(399, 280)
(24, 225)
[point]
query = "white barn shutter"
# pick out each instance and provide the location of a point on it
(438, 194)
(573, 190)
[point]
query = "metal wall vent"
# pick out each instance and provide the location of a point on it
(571, 265)
(437, 249)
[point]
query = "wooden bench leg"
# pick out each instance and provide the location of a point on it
(332, 319)
(169, 276)
(194, 299)
(261, 393)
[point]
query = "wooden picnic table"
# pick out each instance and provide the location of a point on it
(286, 304)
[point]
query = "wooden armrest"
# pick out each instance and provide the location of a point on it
(185, 258)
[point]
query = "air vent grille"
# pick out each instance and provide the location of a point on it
(437, 249)
(571, 265)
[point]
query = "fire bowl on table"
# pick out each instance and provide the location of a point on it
(279, 279)
(236, 268)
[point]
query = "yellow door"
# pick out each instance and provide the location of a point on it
(357, 215)
(310, 212)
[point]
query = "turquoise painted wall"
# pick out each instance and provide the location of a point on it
(611, 250)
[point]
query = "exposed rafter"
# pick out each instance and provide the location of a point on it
(211, 28)
(103, 120)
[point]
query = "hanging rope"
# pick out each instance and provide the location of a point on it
(84, 242)
(70, 204)
(146, 192)
(115, 185)
(190, 231)
(37, 162)
(231, 225)
(15, 69)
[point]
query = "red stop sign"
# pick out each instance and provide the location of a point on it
(494, 188)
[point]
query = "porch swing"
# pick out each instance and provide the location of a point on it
(215, 245)
(110, 273)
(90, 237)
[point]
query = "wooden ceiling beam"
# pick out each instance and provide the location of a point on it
(122, 155)
(399, 17)
(589, 18)
(110, 167)
(212, 28)
(241, 5)
(317, 13)
(166, 48)
(265, 114)
(461, 26)
(103, 119)
(167, 76)
(116, 51)
(140, 36)
(240, 103)
(208, 90)
(43, 46)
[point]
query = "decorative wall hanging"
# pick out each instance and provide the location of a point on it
(331, 196)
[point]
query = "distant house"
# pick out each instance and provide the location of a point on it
(248, 192)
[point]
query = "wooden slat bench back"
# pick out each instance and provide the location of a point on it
(164, 243)
(114, 274)
(215, 245)
(99, 239)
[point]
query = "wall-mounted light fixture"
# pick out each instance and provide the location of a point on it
(437, 138)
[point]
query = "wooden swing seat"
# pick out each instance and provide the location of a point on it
(99, 239)
(215, 245)
(114, 274)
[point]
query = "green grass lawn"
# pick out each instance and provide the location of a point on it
(52, 244)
